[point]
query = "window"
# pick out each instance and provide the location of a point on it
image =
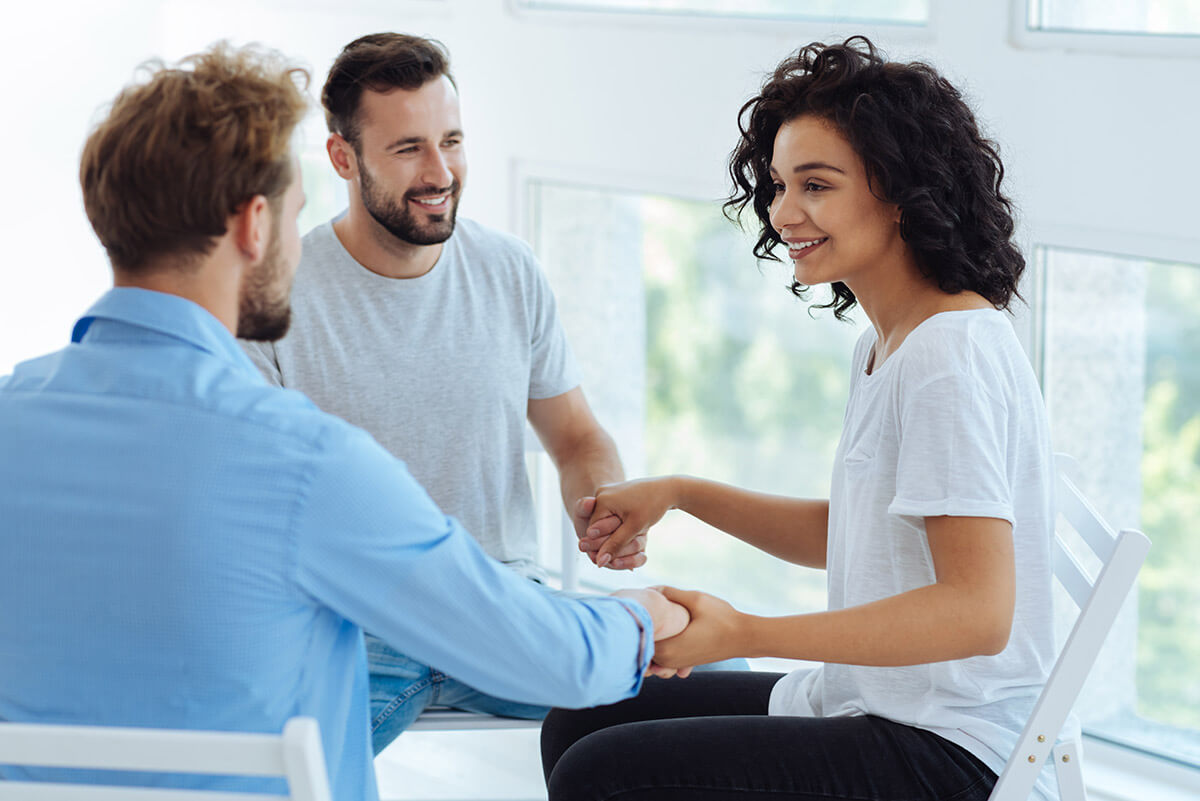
(1172, 17)
(908, 12)
(1121, 373)
(698, 361)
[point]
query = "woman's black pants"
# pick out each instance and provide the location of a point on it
(709, 738)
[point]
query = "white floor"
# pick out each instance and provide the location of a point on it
(462, 766)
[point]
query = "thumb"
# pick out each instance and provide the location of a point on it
(584, 506)
(687, 598)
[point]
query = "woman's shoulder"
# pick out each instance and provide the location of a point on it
(972, 342)
(958, 333)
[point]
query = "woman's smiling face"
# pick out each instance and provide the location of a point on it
(835, 229)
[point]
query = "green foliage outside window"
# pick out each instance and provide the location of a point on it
(743, 386)
(1169, 615)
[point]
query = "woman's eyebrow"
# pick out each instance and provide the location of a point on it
(816, 165)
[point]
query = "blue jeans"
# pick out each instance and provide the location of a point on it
(403, 688)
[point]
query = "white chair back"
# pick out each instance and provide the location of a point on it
(295, 755)
(1099, 599)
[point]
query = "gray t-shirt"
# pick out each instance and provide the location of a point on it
(438, 368)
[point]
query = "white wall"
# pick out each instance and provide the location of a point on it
(1100, 148)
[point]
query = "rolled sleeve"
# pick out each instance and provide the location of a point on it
(953, 458)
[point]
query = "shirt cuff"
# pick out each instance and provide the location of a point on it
(645, 634)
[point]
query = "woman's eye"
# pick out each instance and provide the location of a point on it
(814, 187)
(778, 188)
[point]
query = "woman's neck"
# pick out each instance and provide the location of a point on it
(902, 301)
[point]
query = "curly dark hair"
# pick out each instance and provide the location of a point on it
(922, 150)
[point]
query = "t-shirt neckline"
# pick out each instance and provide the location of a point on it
(882, 367)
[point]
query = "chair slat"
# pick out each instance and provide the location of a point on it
(454, 720)
(1069, 770)
(113, 748)
(1085, 519)
(1071, 574)
(295, 755)
(52, 791)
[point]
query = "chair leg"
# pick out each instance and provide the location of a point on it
(1068, 767)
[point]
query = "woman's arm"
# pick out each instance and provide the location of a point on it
(966, 612)
(792, 529)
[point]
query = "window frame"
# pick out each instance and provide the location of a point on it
(1115, 770)
(554, 527)
(1118, 244)
(525, 174)
(682, 22)
(1151, 45)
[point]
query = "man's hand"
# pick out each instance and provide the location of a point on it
(668, 618)
(715, 631)
(620, 516)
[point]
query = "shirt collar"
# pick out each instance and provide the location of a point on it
(170, 315)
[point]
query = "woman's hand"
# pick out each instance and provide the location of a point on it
(714, 632)
(629, 556)
(620, 516)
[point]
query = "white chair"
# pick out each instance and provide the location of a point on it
(294, 755)
(1099, 599)
(439, 718)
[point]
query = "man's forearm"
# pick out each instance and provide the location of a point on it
(587, 464)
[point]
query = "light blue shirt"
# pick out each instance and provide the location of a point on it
(182, 545)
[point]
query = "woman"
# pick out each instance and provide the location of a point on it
(936, 536)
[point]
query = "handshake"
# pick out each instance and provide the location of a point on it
(669, 620)
(690, 628)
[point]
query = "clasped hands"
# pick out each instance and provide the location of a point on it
(612, 524)
(690, 628)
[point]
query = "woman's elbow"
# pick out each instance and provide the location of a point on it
(995, 641)
(991, 633)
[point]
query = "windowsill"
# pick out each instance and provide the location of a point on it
(1113, 773)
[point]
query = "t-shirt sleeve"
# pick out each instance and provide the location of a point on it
(374, 548)
(552, 366)
(263, 356)
(953, 447)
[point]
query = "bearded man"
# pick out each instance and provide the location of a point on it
(437, 335)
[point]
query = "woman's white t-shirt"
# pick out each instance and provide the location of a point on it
(952, 423)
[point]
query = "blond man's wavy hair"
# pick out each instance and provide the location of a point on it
(185, 147)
